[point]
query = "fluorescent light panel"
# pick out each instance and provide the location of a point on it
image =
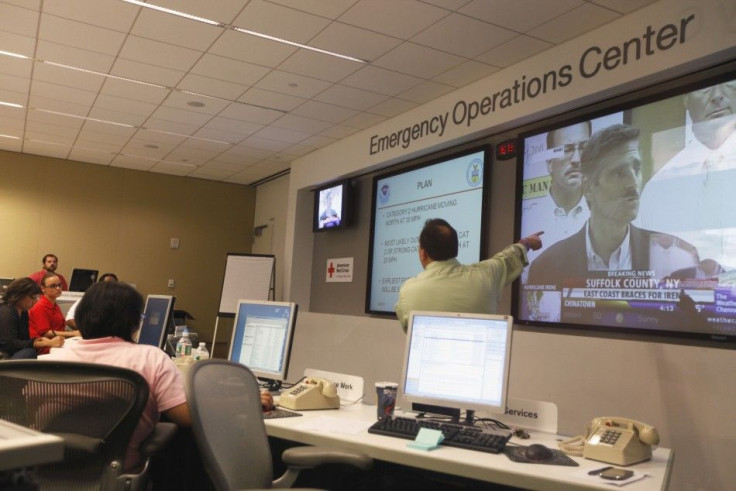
(240, 29)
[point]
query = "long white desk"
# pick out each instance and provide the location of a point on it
(22, 447)
(454, 461)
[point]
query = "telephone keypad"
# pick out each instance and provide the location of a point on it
(610, 437)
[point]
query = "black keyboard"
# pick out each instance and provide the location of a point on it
(469, 437)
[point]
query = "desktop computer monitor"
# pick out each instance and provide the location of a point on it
(262, 336)
(455, 362)
(157, 315)
(82, 279)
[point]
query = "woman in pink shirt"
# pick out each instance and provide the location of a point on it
(107, 316)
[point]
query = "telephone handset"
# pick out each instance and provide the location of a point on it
(619, 441)
(311, 393)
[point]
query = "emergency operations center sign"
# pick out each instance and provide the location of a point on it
(339, 270)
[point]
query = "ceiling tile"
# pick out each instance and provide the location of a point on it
(15, 43)
(381, 80)
(251, 114)
(301, 124)
(75, 57)
(268, 144)
(282, 22)
(16, 66)
(426, 92)
(323, 112)
(174, 30)
(91, 156)
(229, 70)
(417, 60)
(280, 134)
(292, 84)
(364, 120)
(573, 23)
(350, 97)
(129, 162)
(242, 128)
(80, 35)
(513, 51)
(147, 73)
(465, 74)
(211, 86)
(12, 83)
(332, 9)
(159, 54)
(221, 10)
(219, 135)
(38, 145)
(623, 6)
(173, 168)
(354, 41)
(68, 78)
(190, 102)
(319, 65)
(463, 36)
(392, 107)
(244, 47)
(274, 100)
(138, 92)
(117, 16)
(167, 126)
(518, 15)
(398, 19)
(337, 131)
(17, 20)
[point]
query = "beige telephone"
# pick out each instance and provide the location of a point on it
(619, 441)
(311, 393)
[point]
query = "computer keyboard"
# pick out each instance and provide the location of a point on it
(278, 412)
(468, 437)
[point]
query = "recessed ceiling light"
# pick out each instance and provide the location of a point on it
(195, 104)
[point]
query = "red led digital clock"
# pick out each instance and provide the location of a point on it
(506, 150)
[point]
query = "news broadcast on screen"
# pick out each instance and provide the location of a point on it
(637, 208)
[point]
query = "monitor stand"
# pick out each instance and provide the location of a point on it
(452, 412)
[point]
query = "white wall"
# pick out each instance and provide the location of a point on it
(271, 211)
(686, 391)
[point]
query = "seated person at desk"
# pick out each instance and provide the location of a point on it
(108, 315)
(73, 309)
(15, 341)
(50, 262)
(45, 317)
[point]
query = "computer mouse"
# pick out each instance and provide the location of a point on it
(537, 452)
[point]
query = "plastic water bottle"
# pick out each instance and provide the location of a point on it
(184, 346)
(201, 353)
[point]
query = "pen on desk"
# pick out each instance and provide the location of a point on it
(598, 471)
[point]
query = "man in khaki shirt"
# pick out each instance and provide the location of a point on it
(445, 285)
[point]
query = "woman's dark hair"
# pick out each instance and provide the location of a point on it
(20, 288)
(109, 308)
(107, 275)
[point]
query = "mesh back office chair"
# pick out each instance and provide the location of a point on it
(95, 408)
(227, 422)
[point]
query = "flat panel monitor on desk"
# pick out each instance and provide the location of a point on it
(82, 279)
(262, 336)
(455, 362)
(157, 316)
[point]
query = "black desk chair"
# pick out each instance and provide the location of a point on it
(227, 422)
(93, 407)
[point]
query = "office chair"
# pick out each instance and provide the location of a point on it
(93, 407)
(227, 422)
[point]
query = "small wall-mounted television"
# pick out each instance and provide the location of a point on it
(332, 205)
(640, 234)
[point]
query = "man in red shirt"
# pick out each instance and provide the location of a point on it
(50, 263)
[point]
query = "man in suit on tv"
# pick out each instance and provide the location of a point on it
(611, 164)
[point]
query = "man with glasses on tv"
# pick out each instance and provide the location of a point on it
(689, 195)
(611, 167)
(50, 262)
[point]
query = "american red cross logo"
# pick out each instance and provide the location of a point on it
(330, 270)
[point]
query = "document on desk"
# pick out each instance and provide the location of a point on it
(331, 424)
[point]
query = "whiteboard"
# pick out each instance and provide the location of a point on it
(248, 277)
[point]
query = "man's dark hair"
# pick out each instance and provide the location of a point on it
(107, 275)
(602, 142)
(43, 261)
(109, 308)
(438, 239)
(551, 133)
(20, 288)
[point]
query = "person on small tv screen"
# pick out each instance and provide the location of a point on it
(611, 166)
(330, 207)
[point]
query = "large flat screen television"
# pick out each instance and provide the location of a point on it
(638, 213)
(453, 188)
(456, 362)
(262, 337)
